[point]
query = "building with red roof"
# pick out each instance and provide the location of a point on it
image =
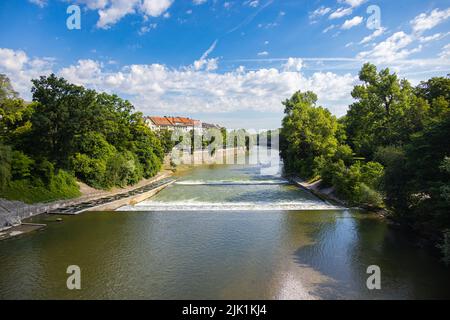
(172, 123)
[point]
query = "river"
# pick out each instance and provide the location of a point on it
(221, 232)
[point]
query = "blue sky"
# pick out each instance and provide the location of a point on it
(230, 62)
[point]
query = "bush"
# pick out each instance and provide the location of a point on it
(89, 170)
(44, 170)
(366, 196)
(122, 170)
(372, 174)
(21, 165)
(358, 184)
(344, 153)
(331, 170)
(388, 156)
(119, 169)
(5, 166)
(62, 186)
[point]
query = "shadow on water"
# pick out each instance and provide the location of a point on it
(344, 246)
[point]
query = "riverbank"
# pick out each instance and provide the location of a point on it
(12, 213)
(325, 194)
(328, 194)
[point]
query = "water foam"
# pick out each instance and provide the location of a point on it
(231, 182)
(230, 206)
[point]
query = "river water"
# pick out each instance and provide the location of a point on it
(221, 232)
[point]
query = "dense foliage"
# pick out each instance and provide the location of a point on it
(391, 149)
(67, 132)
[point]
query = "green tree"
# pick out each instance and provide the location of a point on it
(423, 172)
(6, 89)
(436, 92)
(308, 132)
(386, 112)
(5, 166)
(63, 111)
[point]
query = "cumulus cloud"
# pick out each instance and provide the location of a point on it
(426, 21)
(392, 49)
(155, 88)
(21, 69)
(353, 3)
(112, 11)
(319, 12)
(375, 34)
(341, 12)
(355, 21)
(155, 8)
(293, 64)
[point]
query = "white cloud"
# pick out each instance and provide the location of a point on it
(145, 29)
(252, 3)
(433, 37)
(198, 2)
(393, 48)
(263, 53)
(157, 89)
(341, 12)
(12, 60)
(112, 11)
(94, 4)
(293, 64)
(375, 34)
(329, 28)
(40, 3)
(445, 53)
(210, 64)
(155, 8)
(21, 69)
(425, 21)
(353, 3)
(86, 71)
(319, 12)
(355, 21)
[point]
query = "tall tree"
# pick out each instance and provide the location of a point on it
(386, 112)
(63, 110)
(308, 132)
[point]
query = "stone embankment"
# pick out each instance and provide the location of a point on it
(12, 213)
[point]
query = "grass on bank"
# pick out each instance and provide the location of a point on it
(63, 186)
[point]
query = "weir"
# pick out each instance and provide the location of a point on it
(233, 183)
(232, 188)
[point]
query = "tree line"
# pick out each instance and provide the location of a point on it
(69, 132)
(391, 150)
